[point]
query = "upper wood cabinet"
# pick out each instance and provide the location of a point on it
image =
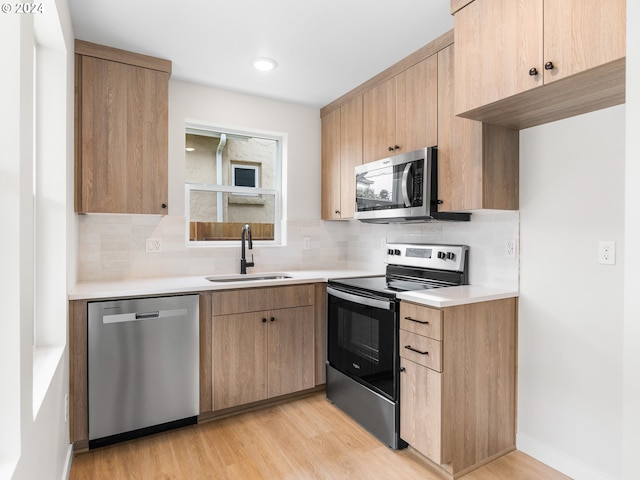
(400, 114)
(121, 131)
(478, 163)
(572, 51)
(341, 152)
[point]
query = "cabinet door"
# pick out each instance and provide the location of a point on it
(331, 165)
(582, 34)
(420, 410)
(291, 350)
(350, 153)
(123, 129)
(417, 106)
(497, 43)
(239, 359)
(478, 164)
(379, 130)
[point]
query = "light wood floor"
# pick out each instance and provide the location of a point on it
(307, 438)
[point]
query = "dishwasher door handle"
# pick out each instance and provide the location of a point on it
(138, 316)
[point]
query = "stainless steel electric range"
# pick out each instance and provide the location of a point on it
(363, 362)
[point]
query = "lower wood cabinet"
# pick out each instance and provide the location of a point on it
(260, 353)
(458, 382)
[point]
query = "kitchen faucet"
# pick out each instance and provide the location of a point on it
(246, 231)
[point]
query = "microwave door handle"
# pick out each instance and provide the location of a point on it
(405, 185)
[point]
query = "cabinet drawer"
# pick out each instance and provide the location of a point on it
(422, 350)
(421, 320)
(257, 299)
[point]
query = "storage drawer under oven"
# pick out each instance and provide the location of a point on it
(422, 350)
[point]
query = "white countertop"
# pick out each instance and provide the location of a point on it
(452, 296)
(439, 297)
(170, 285)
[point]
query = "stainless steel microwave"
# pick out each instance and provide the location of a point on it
(402, 188)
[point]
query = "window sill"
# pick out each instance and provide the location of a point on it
(45, 363)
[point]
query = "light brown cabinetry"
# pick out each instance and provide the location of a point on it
(458, 382)
(121, 131)
(341, 153)
(573, 51)
(400, 114)
(478, 163)
(411, 104)
(263, 343)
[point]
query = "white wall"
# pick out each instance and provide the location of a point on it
(571, 307)
(35, 440)
(631, 396)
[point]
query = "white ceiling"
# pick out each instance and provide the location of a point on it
(324, 48)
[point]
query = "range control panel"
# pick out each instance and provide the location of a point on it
(441, 257)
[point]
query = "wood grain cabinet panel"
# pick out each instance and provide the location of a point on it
(478, 163)
(341, 153)
(121, 131)
(400, 114)
(524, 63)
(464, 414)
(261, 351)
(420, 403)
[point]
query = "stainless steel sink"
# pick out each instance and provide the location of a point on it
(247, 277)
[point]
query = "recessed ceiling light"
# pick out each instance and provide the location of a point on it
(189, 149)
(264, 64)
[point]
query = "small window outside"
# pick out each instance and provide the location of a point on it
(245, 175)
(232, 178)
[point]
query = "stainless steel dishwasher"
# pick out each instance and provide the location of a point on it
(143, 373)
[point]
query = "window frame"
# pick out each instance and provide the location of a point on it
(204, 129)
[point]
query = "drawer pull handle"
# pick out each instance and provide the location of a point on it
(417, 321)
(409, 347)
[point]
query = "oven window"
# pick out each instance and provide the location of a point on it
(362, 344)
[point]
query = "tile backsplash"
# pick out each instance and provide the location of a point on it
(113, 247)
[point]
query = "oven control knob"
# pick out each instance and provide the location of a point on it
(451, 255)
(442, 255)
(396, 252)
(390, 251)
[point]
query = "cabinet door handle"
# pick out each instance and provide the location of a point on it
(337, 212)
(533, 71)
(402, 369)
(164, 205)
(396, 147)
(423, 322)
(273, 319)
(264, 320)
(409, 347)
(549, 66)
(391, 149)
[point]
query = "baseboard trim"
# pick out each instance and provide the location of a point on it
(557, 460)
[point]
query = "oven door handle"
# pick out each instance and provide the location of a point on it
(370, 302)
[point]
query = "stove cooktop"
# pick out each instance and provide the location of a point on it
(413, 267)
(387, 287)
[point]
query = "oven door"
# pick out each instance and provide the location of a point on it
(363, 338)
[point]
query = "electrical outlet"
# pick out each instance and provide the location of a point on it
(510, 248)
(306, 243)
(607, 252)
(154, 245)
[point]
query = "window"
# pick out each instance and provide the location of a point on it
(232, 178)
(245, 175)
